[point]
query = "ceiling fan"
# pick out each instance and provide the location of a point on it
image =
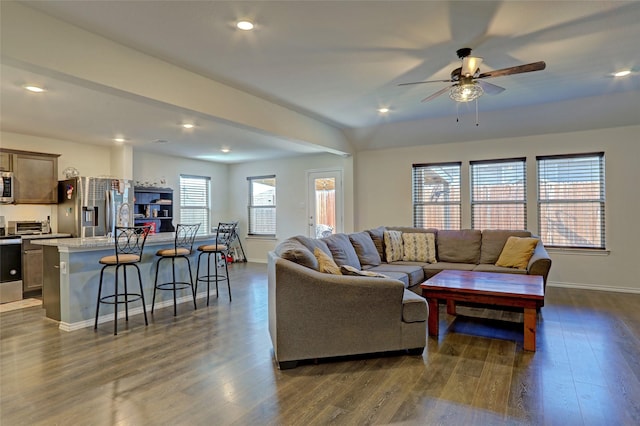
(469, 82)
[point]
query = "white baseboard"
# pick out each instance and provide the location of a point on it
(65, 326)
(594, 287)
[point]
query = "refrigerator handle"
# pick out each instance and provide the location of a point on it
(107, 213)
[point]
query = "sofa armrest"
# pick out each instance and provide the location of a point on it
(540, 262)
(313, 314)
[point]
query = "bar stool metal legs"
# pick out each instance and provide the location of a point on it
(129, 243)
(217, 277)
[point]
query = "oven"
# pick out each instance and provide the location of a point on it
(10, 268)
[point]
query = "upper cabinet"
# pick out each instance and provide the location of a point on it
(6, 164)
(35, 176)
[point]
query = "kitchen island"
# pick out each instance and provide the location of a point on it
(72, 276)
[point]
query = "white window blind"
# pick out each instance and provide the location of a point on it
(498, 194)
(436, 196)
(571, 200)
(195, 201)
(262, 205)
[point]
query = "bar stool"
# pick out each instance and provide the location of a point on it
(129, 243)
(225, 235)
(182, 248)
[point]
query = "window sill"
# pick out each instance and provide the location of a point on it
(262, 237)
(580, 252)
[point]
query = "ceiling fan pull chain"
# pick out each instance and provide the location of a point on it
(477, 121)
(457, 112)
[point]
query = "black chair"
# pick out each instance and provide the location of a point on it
(182, 249)
(225, 235)
(129, 244)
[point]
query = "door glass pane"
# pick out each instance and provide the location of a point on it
(325, 217)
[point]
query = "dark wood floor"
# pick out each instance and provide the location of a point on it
(215, 366)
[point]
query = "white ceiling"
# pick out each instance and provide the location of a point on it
(338, 61)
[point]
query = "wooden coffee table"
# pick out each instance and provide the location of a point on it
(516, 290)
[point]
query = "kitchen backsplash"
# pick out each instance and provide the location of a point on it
(30, 212)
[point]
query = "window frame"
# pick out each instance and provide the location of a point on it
(600, 200)
(418, 197)
(251, 207)
(475, 198)
(205, 228)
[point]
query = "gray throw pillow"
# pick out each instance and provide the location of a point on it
(365, 248)
(342, 251)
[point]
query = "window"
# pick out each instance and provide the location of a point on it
(498, 194)
(436, 196)
(194, 201)
(262, 205)
(571, 200)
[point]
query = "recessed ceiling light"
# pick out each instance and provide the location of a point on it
(623, 73)
(245, 25)
(33, 88)
(383, 110)
(188, 126)
(119, 139)
(225, 150)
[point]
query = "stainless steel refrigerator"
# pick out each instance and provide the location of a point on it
(92, 207)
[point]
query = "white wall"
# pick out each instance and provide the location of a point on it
(90, 160)
(383, 195)
(291, 197)
(155, 168)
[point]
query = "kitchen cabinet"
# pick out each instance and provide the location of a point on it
(36, 178)
(6, 164)
(35, 175)
(154, 205)
(32, 266)
(51, 283)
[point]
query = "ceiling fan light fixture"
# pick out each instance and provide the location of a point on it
(466, 92)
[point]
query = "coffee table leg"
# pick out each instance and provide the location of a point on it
(451, 307)
(529, 329)
(434, 317)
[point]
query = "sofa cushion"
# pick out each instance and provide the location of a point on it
(293, 250)
(350, 270)
(312, 243)
(365, 248)
(419, 247)
(461, 246)
(431, 269)
(377, 236)
(493, 241)
(342, 251)
(414, 307)
(393, 246)
(485, 267)
(326, 263)
(414, 272)
(517, 252)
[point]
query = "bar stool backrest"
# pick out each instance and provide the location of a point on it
(226, 233)
(185, 235)
(130, 240)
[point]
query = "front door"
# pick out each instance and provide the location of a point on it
(324, 202)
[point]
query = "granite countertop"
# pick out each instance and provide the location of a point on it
(44, 236)
(104, 243)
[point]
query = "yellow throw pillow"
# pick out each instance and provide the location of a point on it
(326, 263)
(517, 252)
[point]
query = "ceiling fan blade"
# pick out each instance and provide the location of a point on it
(435, 95)
(490, 89)
(421, 82)
(470, 64)
(535, 66)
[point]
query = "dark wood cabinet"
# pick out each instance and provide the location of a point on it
(32, 266)
(35, 176)
(51, 283)
(154, 205)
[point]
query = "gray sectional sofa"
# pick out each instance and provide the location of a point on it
(314, 314)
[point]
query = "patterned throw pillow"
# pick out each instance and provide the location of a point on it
(326, 263)
(419, 247)
(350, 270)
(393, 245)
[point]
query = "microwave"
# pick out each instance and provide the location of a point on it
(6, 180)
